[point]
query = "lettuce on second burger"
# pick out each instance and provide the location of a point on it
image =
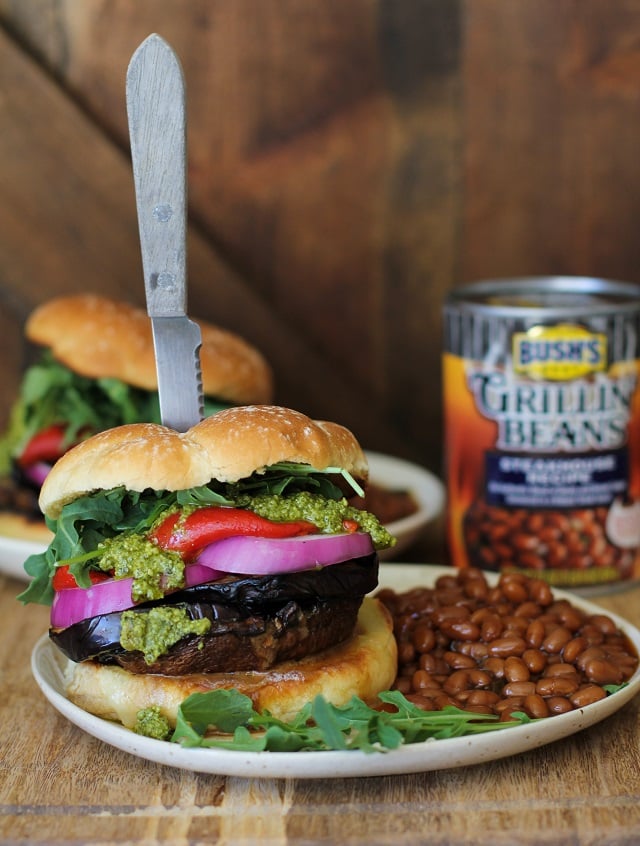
(227, 556)
(97, 371)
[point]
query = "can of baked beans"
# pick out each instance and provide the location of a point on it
(542, 428)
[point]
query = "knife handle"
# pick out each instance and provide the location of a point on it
(155, 94)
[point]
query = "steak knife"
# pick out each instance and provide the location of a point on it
(155, 94)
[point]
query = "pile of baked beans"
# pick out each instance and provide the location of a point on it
(499, 538)
(504, 648)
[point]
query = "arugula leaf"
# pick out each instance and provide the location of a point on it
(321, 725)
(89, 520)
(287, 477)
(51, 393)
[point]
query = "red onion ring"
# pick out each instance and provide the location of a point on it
(72, 605)
(37, 472)
(269, 556)
(243, 555)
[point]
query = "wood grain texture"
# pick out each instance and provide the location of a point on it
(59, 785)
(551, 163)
(322, 141)
(69, 224)
(349, 164)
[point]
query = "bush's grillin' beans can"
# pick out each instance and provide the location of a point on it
(542, 428)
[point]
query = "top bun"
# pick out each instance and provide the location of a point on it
(102, 338)
(227, 446)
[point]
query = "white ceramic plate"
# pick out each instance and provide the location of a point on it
(13, 554)
(48, 665)
(428, 491)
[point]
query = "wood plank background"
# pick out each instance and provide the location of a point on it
(349, 163)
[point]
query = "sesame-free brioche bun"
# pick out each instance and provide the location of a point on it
(99, 338)
(363, 665)
(227, 446)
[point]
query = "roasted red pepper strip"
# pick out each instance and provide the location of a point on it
(215, 522)
(46, 445)
(62, 578)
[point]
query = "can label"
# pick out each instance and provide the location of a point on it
(542, 441)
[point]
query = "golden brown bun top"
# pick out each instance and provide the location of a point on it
(227, 446)
(102, 338)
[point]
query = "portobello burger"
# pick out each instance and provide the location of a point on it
(97, 370)
(224, 557)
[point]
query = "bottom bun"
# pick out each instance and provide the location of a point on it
(363, 666)
(21, 527)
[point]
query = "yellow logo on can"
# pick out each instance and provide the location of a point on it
(559, 353)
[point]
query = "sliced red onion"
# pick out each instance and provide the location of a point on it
(200, 574)
(270, 556)
(72, 605)
(37, 472)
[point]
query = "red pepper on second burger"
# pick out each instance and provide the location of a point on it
(188, 535)
(46, 445)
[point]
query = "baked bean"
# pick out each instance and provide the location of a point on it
(516, 670)
(567, 671)
(491, 628)
(428, 662)
(423, 702)
(542, 540)
(515, 625)
(535, 633)
(504, 648)
(535, 660)
(450, 612)
(519, 688)
(556, 686)
(604, 623)
(480, 696)
(592, 634)
(528, 609)
(403, 684)
(589, 654)
(477, 650)
(406, 652)
(540, 592)
(495, 666)
(458, 681)
(480, 678)
(460, 629)
(556, 640)
(602, 672)
(458, 661)
(515, 591)
(558, 705)
(535, 706)
(421, 680)
(587, 695)
(573, 648)
(423, 638)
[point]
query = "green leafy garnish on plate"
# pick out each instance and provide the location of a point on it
(321, 726)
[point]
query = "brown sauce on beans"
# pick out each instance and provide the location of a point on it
(497, 650)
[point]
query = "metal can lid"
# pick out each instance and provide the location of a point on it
(538, 296)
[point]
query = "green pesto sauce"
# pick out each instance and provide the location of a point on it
(154, 571)
(326, 514)
(151, 723)
(155, 631)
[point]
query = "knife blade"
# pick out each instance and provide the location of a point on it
(155, 95)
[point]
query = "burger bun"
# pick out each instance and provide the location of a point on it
(228, 446)
(362, 666)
